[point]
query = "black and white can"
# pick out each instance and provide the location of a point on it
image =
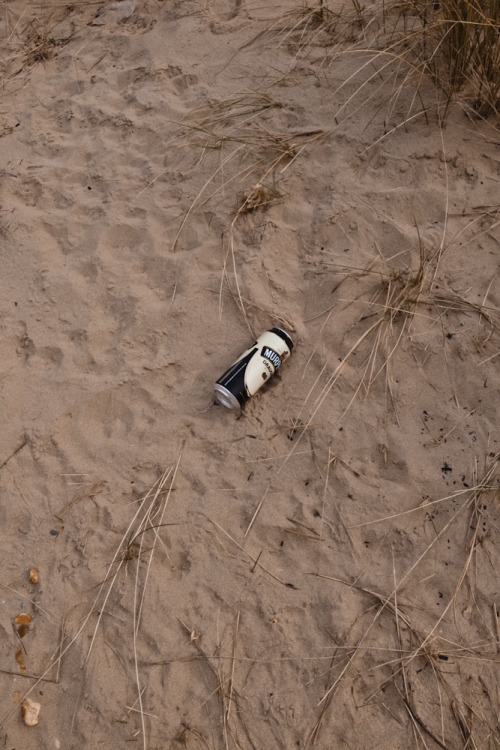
(255, 366)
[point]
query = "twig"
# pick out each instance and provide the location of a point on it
(61, 643)
(233, 666)
(33, 513)
(497, 625)
(419, 721)
(25, 442)
(29, 676)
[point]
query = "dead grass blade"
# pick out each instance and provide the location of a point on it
(253, 559)
(390, 602)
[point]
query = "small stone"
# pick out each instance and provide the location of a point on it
(30, 710)
(34, 575)
(404, 167)
(114, 12)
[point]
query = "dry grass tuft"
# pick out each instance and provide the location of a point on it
(454, 43)
(245, 152)
(423, 648)
(423, 48)
(40, 45)
(391, 299)
(468, 32)
(313, 25)
(260, 196)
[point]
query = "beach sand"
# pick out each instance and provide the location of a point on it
(320, 570)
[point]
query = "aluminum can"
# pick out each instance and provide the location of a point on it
(255, 366)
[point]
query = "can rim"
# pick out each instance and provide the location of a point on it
(284, 335)
(226, 398)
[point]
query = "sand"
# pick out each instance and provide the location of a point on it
(321, 570)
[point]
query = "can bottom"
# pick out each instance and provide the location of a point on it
(226, 398)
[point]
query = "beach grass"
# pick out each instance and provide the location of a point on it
(454, 43)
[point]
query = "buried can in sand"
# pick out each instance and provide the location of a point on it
(255, 367)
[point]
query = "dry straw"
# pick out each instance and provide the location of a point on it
(429, 643)
(454, 43)
(145, 525)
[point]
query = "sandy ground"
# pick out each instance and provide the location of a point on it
(320, 571)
